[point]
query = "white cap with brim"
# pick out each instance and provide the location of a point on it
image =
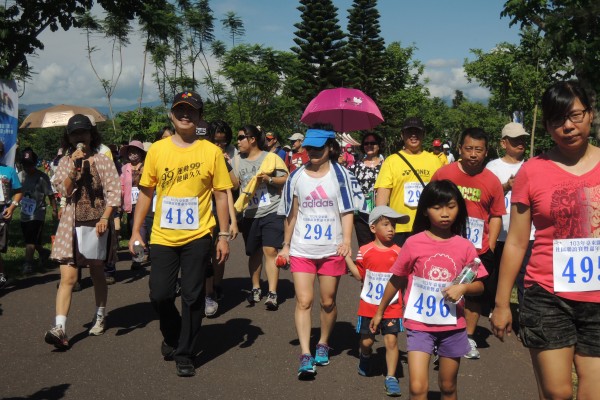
(385, 211)
(296, 136)
(513, 130)
(317, 137)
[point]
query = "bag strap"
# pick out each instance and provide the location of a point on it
(412, 168)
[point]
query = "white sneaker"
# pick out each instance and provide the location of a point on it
(210, 306)
(98, 328)
(473, 353)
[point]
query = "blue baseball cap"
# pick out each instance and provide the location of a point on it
(317, 137)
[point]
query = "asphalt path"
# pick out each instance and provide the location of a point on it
(247, 352)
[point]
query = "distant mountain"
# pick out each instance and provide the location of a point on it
(29, 108)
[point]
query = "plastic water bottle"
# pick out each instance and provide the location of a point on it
(139, 252)
(468, 274)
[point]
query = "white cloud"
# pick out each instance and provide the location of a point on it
(447, 76)
(442, 63)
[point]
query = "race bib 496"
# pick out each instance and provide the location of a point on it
(426, 303)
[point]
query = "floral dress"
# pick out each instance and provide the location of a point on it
(104, 178)
(366, 176)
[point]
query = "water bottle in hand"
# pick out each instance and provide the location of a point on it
(139, 252)
(468, 274)
(282, 263)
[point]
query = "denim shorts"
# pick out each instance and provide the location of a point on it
(450, 344)
(550, 322)
(387, 326)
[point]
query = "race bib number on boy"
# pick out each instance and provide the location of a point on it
(179, 213)
(318, 229)
(374, 286)
(28, 206)
(475, 232)
(412, 193)
(261, 198)
(135, 193)
(576, 265)
(426, 303)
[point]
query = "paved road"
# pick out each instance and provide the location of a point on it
(248, 352)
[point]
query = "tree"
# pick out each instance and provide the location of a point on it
(260, 94)
(234, 25)
(320, 47)
(116, 28)
(572, 29)
(517, 75)
(402, 92)
(459, 97)
(23, 22)
(366, 49)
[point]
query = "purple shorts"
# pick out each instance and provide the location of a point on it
(450, 344)
(330, 266)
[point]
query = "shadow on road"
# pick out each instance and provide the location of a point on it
(217, 339)
(130, 317)
(47, 393)
(28, 282)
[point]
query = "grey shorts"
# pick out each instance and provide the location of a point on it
(550, 322)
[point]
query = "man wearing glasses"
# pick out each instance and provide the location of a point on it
(484, 197)
(397, 184)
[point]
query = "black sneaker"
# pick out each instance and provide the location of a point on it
(254, 296)
(271, 302)
(167, 351)
(185, 368)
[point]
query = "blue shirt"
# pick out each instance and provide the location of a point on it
(10, 182)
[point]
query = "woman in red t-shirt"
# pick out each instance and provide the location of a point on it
(560, 192)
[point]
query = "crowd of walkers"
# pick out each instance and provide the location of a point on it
(441, 242)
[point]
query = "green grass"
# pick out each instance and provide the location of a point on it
(15, 255)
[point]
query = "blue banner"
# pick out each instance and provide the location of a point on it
(9, 118)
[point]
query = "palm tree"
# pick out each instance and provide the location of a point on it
(234, 24)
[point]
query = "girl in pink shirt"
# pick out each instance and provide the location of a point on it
(430, 259)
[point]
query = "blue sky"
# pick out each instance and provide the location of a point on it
(443, 32)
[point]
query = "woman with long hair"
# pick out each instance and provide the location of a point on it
(90, 183)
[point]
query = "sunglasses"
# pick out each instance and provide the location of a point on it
(370, 144)
(242, 137)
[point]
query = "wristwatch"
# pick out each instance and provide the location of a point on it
(15, 203)
(270, 180)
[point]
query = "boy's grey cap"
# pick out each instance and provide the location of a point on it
(385, 211)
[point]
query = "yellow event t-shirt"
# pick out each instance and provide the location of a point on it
(184, 172)
(395, 174)
(443, 158)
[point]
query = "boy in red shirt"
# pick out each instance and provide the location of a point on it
(373, 263)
